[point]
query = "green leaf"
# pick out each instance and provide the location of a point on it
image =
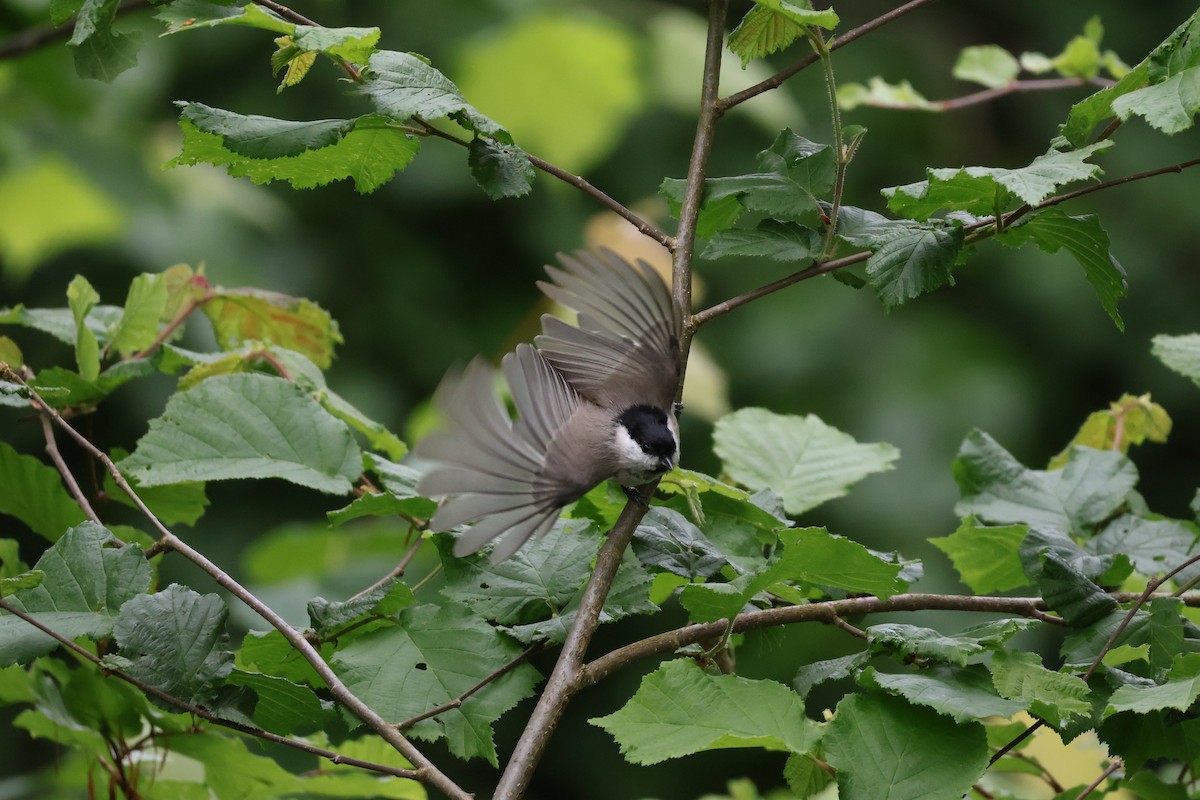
(1082, 646)
(978, 190)
(385, 600)
(986, 557)
(912, 265)
(679, 709)
(867, 229)
(1071, 593)
(989, 64)
(1180, 353)
(139, 320)
(352, 44)
(668, 540)
(772, 25)
(779, 241)
(185, 15)
(885, 749)
(110, 706)
(270, 653)
(926, 643)
(1168, 106)
(230, 769)
(404, 85)
(60, 322)
(961, 693)
(1126, 422)
(100, 52)
(1083, 237)
(246, 426)
(805, 776)
(33, 493)
(281, 706)
(175, 640)
(815, 556)
(370, 155)
(996, 488)
(87, 580)
(1180, 690)
(734, 525)
(832, 669)
(501, 170)
(173, 504)
(245, 315)
(1054, 696)
(82, 297)
(1153, 545)
(429, 658)
(881, 94)
(24, 580)
(803, 459)
(265, 137)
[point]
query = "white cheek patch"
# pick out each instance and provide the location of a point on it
(630, 454)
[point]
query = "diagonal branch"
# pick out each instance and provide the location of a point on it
(35, 38)
(56, 457)
(426, 771)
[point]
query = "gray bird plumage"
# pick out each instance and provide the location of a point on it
(574, 394)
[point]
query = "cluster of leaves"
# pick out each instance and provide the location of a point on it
(1073, 537)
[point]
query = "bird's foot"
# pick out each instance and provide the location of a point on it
(634, 493)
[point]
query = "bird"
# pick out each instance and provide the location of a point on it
(593, 401)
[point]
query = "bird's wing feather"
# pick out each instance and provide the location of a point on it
(626, 348)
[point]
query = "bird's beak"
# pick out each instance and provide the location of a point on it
(665, 464)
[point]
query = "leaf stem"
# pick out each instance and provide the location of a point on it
(843, 156)
(426, 771)
(1113, 766)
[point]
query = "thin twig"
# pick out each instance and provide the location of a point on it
(203, 713)
(525, 655)
(426, 770)
(68, 478)
(396, 572)
(1016, 740)
(777, 79)
(39, 36)
(987, 95)
(847, 627)
(1115, 765)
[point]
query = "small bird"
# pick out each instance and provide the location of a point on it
(593, 402)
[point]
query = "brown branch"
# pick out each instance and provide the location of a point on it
(458, 701)
(777, 79)
(397, 571)
(203, 713)
(1115, 765)
(987, 95)
(34, 38)
(426, 770)
(171, 326)
(56, 457)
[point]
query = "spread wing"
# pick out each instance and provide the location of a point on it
(625, 350)
(494, 472)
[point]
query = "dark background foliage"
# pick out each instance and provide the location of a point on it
(427, 271)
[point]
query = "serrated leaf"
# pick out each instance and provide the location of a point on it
(260, 137)
(779, 241)
(668, 540)
(173, 504)
(1129, 421)
(501, 170)
(294, 62)
(144, 306)
(978, 190)
(1180, 353)
(990, 65)
(909, 266)
(1083, 237)
(815, 556)
(960, 692)
(429, 658)
(246, 426)
(885, 749)
(735, 525)
(403, 85)
(772, 25)
(352, 44)
(1054, 696)
(803, 459)
(370, 155)
(1168, 106)
(184, 15)
(100, 52)
(1153, 545)
(805, 776)
(175, 640)
(679, 709)
(996, 488)
(85, 585)
(245, 315)
(986, 557)
(33, 493)
(868, 229)
(831, 669)
(1179, 691)
(24, 580)
(387, 599)
(60, 322)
